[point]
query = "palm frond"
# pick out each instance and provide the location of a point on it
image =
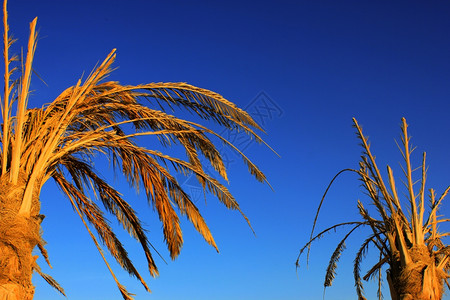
(382, 260)
(357, 269)
(49, 279)
(321, 234)
(95, 217)
(95, 117)
(403, 243)
(125, 294)
(44, 252)
(332, 264)
(321, 202)
(22, 103)
(380, 281)
(113, 203)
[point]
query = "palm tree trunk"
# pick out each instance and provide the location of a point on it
(420, 280)
(18, 236)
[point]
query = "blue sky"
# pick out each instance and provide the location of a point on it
(307, 67)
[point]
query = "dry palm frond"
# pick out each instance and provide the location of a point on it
(96, 117)
(52, 282)
(356, 266)
(320, 235)
(332, 265)
(402, 242)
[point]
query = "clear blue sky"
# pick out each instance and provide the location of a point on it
(318, 64)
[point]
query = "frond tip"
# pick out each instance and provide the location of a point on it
(52, 282)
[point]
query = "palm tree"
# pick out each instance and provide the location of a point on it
(408, 243)
(98, 117)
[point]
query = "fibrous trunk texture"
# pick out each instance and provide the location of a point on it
(420, 280)
(18, 236)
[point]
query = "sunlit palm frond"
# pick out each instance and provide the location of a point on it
(49, 279)
(357, 266)
(95, 118)
(332, 264)
(412, 246)
(95, 217)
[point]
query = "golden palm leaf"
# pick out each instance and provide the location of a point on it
(97, 117)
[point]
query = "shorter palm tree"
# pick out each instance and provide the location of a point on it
(409, 244)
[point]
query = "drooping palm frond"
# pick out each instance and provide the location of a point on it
(406, 244)
(332, 265)
(52, 282)
(97, 117)
(380, 280)
(357, 266)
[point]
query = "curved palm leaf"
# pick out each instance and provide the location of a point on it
(98, 117)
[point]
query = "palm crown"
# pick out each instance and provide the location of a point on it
(93, 118)
(409, 244)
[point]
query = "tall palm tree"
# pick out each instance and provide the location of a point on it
(98, 117)
(409, 244)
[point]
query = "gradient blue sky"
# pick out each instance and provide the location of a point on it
(320, 63)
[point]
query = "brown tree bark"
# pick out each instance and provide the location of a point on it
(18, 237)
(420, 280)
